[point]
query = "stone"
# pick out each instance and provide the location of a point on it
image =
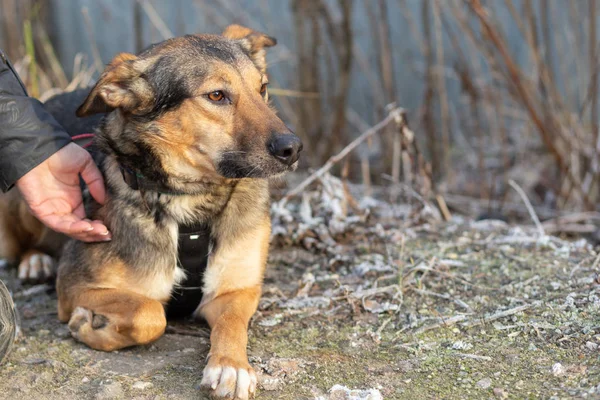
(139, 385)
(111, 390)
(484, 383)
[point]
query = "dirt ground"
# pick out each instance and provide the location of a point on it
(389, 303)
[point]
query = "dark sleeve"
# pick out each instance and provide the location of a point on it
(28, 134)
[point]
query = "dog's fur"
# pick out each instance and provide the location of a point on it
(210, 160)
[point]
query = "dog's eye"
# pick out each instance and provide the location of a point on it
(263, 88)
(216, 96)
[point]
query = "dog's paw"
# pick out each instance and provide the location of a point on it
(36, 266)
(228, 379)
(80, 318)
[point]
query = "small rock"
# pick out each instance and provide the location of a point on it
(555, 285)
(62, 332)
(27, 313)
(405, 366)
(188, 350)
(85, 379)
(500, 393)
(270, 383)
(339, 392)
(33, 360)
(558, 369)
(139, 385)
(484, 383)
(460, 345)
(110, 391)
(271, 321)
(591, 345)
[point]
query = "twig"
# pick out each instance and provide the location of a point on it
(445, 322)
(423, 268)
(473, 356)
(293, 93)
(596, 262)
(532, 213)
(383, 325)
(95, 53)
(156, 20)
(396, 113)
(32, 291)
(443, 207)
(30, 47)
(498, 315)
(444, 296)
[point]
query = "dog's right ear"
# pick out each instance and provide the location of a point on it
(254, 42)
(120, 86)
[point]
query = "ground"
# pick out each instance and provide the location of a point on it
(391, 303)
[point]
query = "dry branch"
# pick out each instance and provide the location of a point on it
(394, 115)
(532, 213)
(498, 315)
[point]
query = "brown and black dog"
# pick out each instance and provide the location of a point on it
(187, 146)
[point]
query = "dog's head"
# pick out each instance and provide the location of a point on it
(194, 108)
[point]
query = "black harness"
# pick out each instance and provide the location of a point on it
(192, 254)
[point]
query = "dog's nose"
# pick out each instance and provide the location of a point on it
(285, 147)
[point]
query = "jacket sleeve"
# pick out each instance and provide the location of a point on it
(28, 134)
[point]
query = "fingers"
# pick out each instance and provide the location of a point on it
(93, 178)
(79, 229)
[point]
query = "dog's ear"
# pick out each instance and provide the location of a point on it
(253, 42)
(120, 86)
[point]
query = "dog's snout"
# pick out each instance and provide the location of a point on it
(285, 147)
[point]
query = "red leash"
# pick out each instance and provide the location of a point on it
(84, 136)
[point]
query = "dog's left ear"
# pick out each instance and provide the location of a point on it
(121, 86)
(253, 42)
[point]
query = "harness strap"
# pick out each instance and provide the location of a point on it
(193, 252)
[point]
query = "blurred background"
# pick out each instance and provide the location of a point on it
(493, 90)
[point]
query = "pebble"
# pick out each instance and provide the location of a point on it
(110, 391)
(139, 385)
(270, 384)
(591, 345)
(558, 369)
(62, 332)
(500, 393)
(189, 350)
(484, 383)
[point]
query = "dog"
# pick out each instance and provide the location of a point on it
(187, 147)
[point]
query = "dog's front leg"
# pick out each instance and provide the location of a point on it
(232, 288)
(228, 372)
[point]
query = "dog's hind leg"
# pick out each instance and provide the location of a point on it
(25, 241)
(36, 266)
(110, 319)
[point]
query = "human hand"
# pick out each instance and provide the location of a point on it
(52, 192)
